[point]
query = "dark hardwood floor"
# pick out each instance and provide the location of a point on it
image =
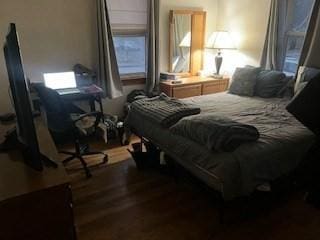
(121, 203)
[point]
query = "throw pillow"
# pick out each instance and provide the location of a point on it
(244, 81)
(269, 83)
(305, 74)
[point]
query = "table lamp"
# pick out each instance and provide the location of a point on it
(221, 40)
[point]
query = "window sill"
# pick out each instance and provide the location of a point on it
(289, 74)
(133, 81)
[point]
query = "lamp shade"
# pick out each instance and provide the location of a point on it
(221, 40)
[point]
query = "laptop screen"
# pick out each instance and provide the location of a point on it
(62, 80)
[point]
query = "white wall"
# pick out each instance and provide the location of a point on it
(57, 34)
(247, 20)
(210, 6)
(54, 35)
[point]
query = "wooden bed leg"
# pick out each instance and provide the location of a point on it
(245, 207)
(175, 171)
(173, 167)
(221, 209)
(141, 144)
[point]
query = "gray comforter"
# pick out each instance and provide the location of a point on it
(217, 133)
(282, 144)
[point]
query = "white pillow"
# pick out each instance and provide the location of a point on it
(298, 80)
(305, 74)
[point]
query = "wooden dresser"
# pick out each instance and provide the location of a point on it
(34, 205)
(194, 86)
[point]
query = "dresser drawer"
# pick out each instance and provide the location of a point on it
(215, 87)
(166, 89)
(187, 91)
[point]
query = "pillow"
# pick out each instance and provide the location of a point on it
(244, 81)
(305, 105)
(301, 87)
(249, 66)
(305, 74)
(269, 83)
(288, 89)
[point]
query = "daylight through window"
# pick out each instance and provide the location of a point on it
(131, 54)
(299, 12)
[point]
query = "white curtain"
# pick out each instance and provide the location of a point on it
(108, 72)
(152, 80)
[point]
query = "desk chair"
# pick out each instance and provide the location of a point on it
(60, 122)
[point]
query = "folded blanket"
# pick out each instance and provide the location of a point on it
(215, 132)
(163, 109)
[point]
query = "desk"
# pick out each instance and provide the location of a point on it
(34, 205)
(91, 97)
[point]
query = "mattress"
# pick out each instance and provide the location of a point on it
(282, 144)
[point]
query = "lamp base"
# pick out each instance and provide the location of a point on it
(218, 61)
(217, 76)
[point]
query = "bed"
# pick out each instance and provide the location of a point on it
(282, 144)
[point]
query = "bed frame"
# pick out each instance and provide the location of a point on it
(243, 202)
(176, 169)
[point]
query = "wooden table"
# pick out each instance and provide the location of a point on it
(34, 205)
(194, 86)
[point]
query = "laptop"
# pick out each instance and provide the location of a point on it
(63, 82)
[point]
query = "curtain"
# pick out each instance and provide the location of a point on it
(310, 52)
(108, 72)
(274, 47)
(152, 80)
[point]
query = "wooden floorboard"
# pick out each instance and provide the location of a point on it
(121, 203)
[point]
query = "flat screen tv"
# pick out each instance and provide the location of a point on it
(25, 129)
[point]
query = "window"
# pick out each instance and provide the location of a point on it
(131, 54)
(298, 13)
(129, 23)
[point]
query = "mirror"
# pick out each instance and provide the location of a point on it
(187, 32)
(181, 43)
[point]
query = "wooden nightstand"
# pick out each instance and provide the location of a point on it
(194, 86)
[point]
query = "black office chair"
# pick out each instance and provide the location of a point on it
(60, 123)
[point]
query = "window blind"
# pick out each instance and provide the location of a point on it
(128, 15)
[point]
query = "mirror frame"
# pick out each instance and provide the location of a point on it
(198, 32)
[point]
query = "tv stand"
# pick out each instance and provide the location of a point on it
(12, 142)
(34, 205)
